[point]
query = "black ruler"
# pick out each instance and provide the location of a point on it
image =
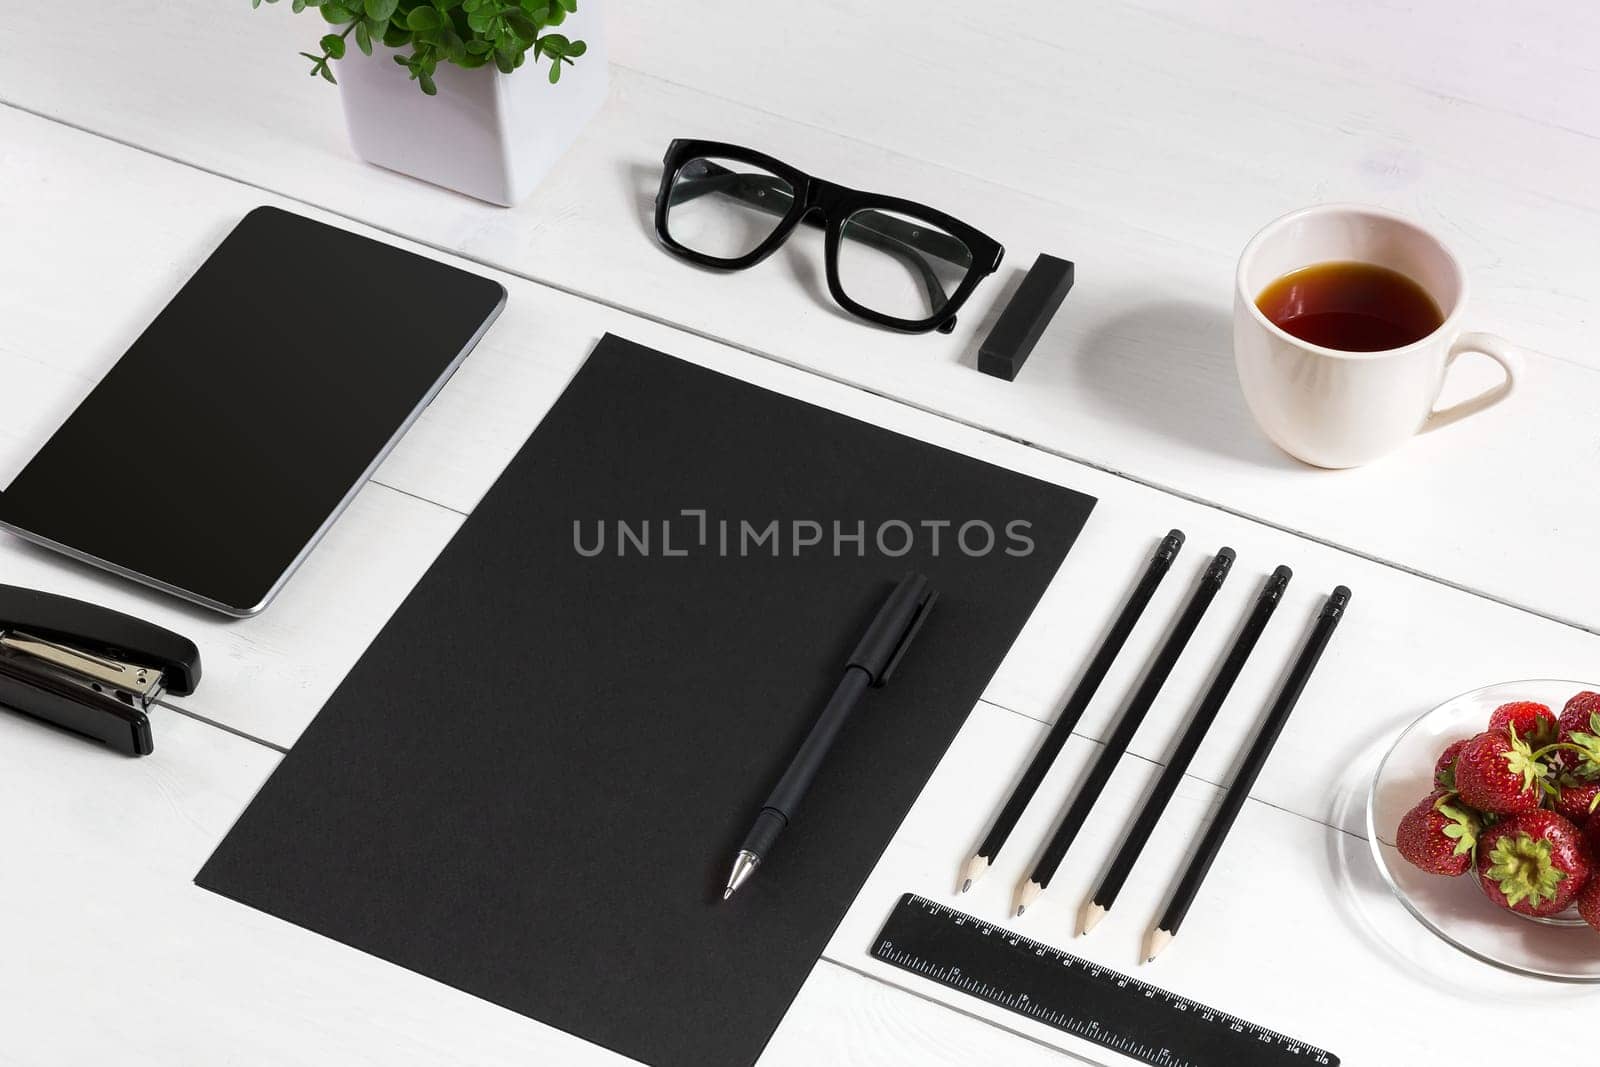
(1077, 996)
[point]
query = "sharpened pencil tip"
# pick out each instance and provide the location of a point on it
(727, 893)
(1092, 914)
(974, 870)
(1027, 893)
(1158, 940)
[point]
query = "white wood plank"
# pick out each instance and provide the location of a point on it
(253, 984)
(1294, 929)
(268, 676)
(845, 1018)
(1135, 375)
(113, 955)
(1200, 121)
(1534, 59)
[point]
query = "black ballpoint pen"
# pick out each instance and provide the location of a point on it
(870, 665)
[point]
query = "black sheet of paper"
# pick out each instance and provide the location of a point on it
(532, 784)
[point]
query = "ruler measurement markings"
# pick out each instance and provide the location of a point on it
(1041, 982)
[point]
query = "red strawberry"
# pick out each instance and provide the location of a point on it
(1579, 712)
(1589, 903)
(1536, 722)
(1444, 771)
(1534, 863)
(1576, 798)
(1497, 772)
(1591, 830)
(1580, 738)
(1438, 836)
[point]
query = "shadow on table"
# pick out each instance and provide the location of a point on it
(1167, 366)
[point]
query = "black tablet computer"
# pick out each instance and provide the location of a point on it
(237, 427)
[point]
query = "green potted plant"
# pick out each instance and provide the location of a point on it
(479, 96)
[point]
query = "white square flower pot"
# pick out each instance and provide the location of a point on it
(490, 135)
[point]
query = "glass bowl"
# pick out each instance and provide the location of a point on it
(1456, 909)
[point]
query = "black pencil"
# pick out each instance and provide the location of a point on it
(1204, 715)
(1117, 744)
(1039, 766)
(1239, 788)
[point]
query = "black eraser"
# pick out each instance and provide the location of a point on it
(1023, 322)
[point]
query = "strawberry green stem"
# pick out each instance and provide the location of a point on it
(1558, 745)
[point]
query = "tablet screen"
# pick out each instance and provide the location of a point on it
(211, 458)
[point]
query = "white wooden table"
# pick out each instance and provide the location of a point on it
(1144, 139)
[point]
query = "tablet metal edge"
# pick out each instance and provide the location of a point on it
(321, 531)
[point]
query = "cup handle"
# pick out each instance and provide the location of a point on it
(1498, 349)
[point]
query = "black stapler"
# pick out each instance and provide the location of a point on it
(89, 669)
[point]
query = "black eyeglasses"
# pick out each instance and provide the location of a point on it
(893, 262)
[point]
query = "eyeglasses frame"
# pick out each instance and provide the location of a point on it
(827, 204)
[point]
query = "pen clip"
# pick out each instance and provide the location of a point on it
(917, 620)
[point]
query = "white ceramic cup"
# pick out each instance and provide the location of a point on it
(1333, 408)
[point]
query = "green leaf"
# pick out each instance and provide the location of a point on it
(454, 46)
(467, 33)
(424, 18)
